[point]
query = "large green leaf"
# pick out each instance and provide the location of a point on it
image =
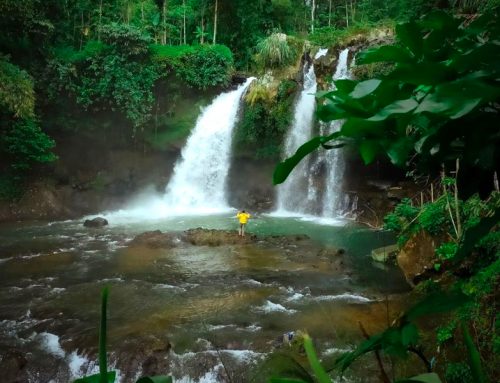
(319, 371)
(458, 98)
(409, 35)
(430, 377)
(409, 335)
(371, 344)
(369, 150)
(361, 128)
(285, 380)
(330, 111)
(399, 151)
(283, 169)
(397, 107)
(345, 86)
(440, 20)
(384, 53)
(422, 73)
(96, 378)
(437, 302)
(364, 88)
(156, 379)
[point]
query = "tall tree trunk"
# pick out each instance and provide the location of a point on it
(184, 20)
(100, 22)
(313, 8)
(202, 37)
(346, 13)
(330, 14)
(81, 33)
(164, 37)
(215, 22)
(142, 12)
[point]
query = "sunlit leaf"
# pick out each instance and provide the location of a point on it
(397, 107)
(364, 88)
(283, 169)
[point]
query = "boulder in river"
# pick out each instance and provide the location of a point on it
(95, 222)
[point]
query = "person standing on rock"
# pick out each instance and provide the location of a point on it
(243, 217)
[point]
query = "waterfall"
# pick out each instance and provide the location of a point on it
(334, 158)
(300, 194)
(198, 184)
(292, 194)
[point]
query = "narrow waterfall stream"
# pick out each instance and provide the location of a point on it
(300, 194)
(334, 158)
(292, 194)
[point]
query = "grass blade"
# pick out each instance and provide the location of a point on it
(103, 366)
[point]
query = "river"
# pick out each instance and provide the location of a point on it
(199, 312)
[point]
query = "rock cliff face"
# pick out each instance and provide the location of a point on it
(417, 257)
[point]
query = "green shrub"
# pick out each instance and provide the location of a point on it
(25, 144)
(17, 95)
(274, 51)
(200, 66)
(458, 373)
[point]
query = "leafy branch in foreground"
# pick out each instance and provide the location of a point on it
(440, 101)
(105, 376)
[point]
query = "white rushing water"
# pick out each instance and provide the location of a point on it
(198, 183)
(199, 180)
(334, 158)
(291, 198)
(301, 194)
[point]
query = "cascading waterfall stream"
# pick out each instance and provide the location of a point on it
(199, 180)
(300, 195)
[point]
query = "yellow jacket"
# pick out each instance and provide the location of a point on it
(243, 217)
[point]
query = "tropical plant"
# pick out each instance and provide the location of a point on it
(274, 51)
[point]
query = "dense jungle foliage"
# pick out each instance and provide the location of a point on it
(87, 66)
